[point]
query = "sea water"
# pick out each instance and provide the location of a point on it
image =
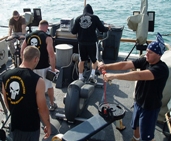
(113, 12)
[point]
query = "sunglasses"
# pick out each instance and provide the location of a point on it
(16, 17)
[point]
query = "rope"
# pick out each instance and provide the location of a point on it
(76, 70)
(75, 57)
(104, 83)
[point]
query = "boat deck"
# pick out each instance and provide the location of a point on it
(120, 92)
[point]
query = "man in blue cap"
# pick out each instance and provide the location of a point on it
(151, 80)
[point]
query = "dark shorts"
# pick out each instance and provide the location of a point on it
(145, 120)
(25, 136)
(88, 51)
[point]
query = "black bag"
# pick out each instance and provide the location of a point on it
(2, 135)
(52, 76)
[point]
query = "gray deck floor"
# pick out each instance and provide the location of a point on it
(119, 92)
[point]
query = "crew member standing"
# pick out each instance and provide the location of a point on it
(85, 26)
(17, 26)
(24, 97)
(44, 43)
(151, 80)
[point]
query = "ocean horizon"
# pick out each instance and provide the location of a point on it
(114, 12)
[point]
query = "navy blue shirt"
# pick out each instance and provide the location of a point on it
(86, 24)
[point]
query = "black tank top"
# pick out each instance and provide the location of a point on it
(38, 39)
(20, 85)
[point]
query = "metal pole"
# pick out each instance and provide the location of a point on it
(84, 3)
(4, 26)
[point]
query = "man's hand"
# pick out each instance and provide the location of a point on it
(108, 26)
(108, 77)
(55, 70)
(101, 66)
(100, 63)
(47, 132)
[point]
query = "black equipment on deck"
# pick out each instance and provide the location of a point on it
(16, 56)
(93, 125)
(108, 113)
(151, 22)
(37, 17)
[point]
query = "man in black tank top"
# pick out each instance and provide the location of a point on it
(23, 92)
(44, 43)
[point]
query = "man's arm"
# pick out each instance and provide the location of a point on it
(130, 76)
(23, 29)
(125, 65)
(11, 26)
(74, 29)
(5, 98)
(23, 46)
(100, 26)
(10, 30)
(42, 106)
(23, 26)
(51, 54)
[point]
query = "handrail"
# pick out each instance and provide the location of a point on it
(15, 37)
(148, 41)
(122, 40)
(3, 38)
(132, 40)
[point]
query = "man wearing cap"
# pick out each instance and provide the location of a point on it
(151, 80)
(17, 26)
